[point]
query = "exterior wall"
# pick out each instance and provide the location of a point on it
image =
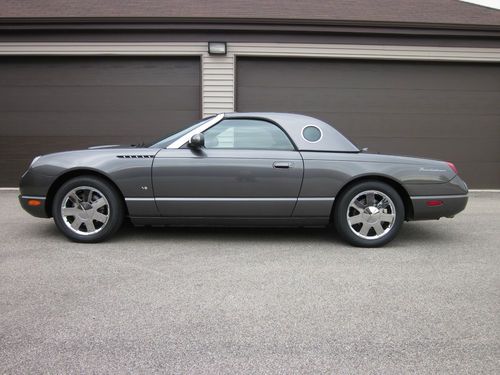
(218, 72)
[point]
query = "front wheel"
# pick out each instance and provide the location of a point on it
(87, 209)
(369, 214)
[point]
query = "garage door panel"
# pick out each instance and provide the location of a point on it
(338, 74)
(446, 111)
(94, 99)
(373, 100)
(50, 104)
(92, 71)
(144, 123)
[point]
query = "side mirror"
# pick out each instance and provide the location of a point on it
(197, 141)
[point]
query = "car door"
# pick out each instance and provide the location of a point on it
(248, 168)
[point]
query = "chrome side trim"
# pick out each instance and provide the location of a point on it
(210, 199)
(439, 196)
(226, 199)
(323, 199)
(185, 138)
(32, 197)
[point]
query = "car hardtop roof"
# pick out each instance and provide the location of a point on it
(294, 124)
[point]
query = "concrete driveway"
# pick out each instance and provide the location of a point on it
(232, 301)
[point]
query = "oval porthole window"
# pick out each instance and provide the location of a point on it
(312, 133)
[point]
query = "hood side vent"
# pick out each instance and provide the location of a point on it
(135, 156)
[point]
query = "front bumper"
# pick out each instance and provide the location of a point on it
(37, 211)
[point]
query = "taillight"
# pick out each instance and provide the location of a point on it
(434, 203)
(452, 166)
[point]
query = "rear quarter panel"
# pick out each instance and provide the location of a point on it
(325, 173)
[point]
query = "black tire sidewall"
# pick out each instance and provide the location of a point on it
(115, 207)
(341, 206)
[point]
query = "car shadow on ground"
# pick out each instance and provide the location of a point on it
(218, 233)
(410, 234)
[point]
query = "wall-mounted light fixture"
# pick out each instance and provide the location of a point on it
(217, 48)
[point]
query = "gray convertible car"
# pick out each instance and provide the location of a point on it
(243, 169)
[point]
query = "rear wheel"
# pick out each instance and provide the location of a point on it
(369, 214)
(87, 209)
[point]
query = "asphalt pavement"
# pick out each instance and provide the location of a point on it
(264, 301)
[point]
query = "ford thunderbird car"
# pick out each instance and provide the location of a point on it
(244, 169)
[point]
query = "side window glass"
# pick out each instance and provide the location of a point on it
(247, 134)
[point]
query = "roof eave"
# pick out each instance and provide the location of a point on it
(214, 23)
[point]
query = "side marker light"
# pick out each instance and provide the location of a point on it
(434, 203)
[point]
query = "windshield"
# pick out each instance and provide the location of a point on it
(165, 142)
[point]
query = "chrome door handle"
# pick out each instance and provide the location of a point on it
(282, 164)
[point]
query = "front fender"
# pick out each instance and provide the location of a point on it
(129, 169)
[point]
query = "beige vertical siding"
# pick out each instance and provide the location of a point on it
(217, 84)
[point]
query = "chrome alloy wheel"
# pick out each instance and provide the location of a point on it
(371, 214)
(85, 210)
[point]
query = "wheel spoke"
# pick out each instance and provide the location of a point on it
(90, 226)
(387, 218)
(358, 206)
(76, 223)
(365, 229)
(101, 202)
(378, 228)
(74, 198)
(356, 219)
(89, 196)
(100, 217)
(71, 211)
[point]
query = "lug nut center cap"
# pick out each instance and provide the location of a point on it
(372, 210)
(371, 214)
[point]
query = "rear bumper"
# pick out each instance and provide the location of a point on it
(37, 211)
(423, 208)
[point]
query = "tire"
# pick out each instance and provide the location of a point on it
(369, 214)
(88, 209)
